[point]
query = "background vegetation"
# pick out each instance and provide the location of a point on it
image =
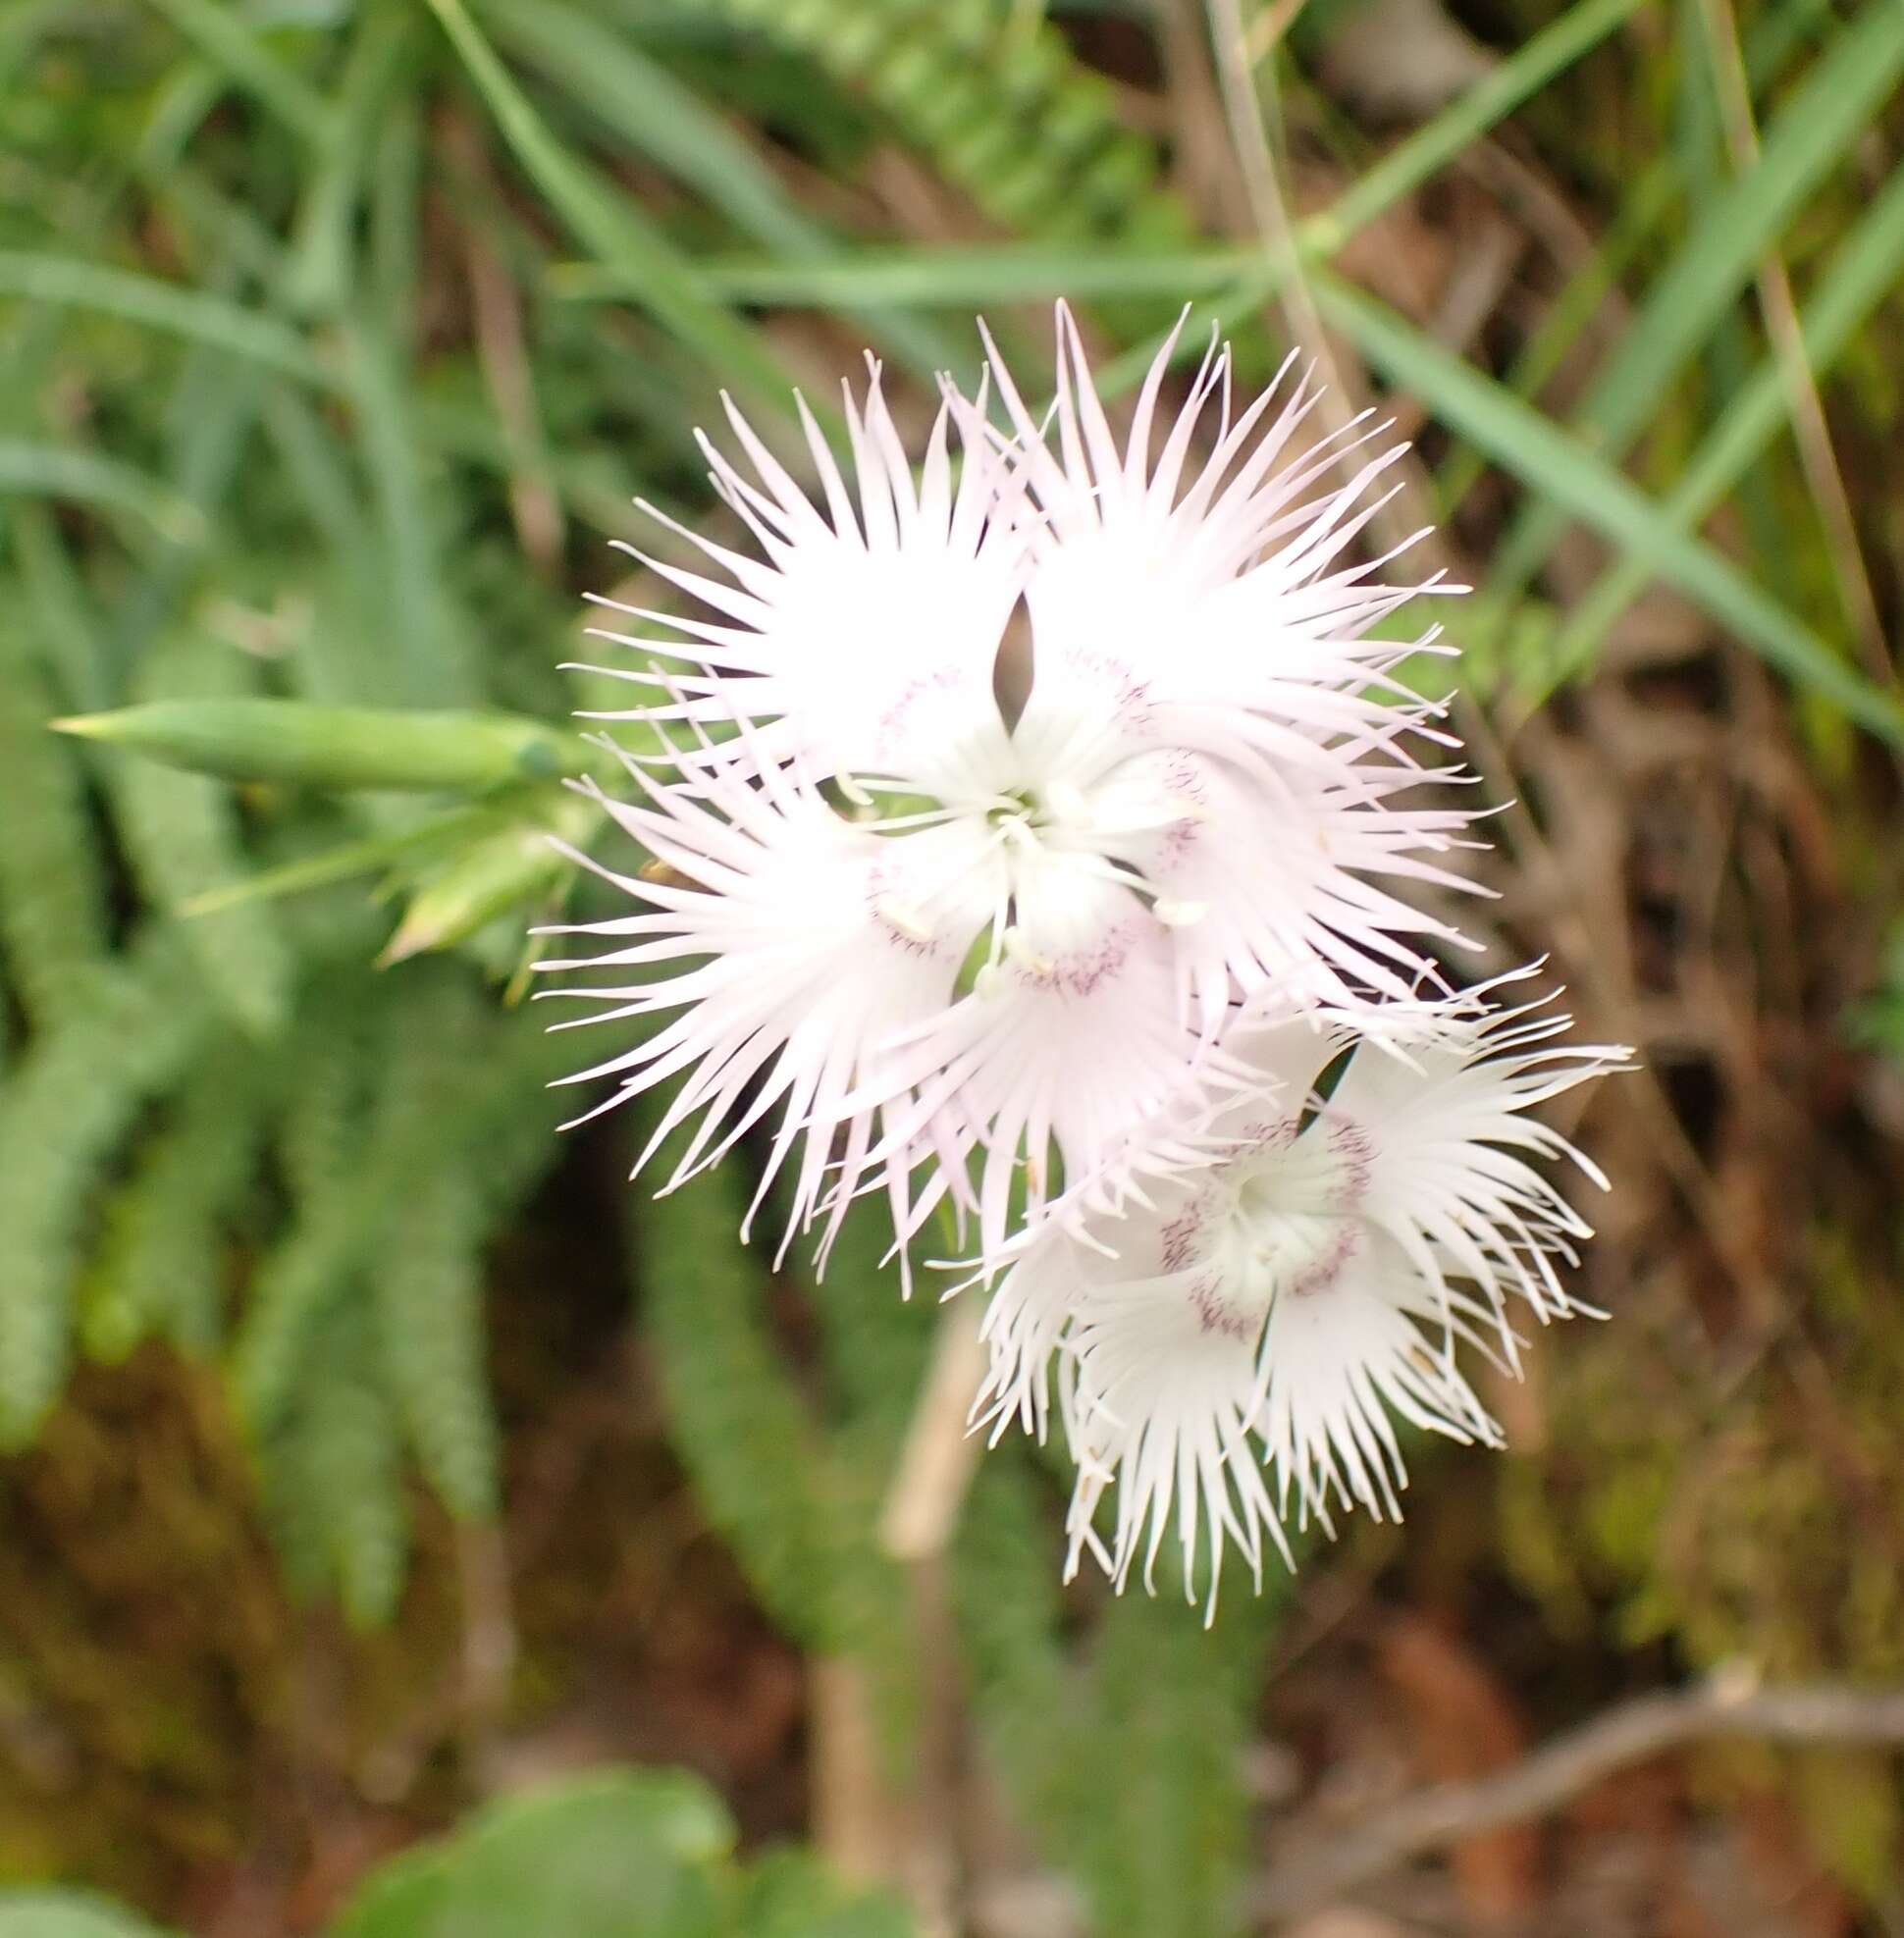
(373, 1451)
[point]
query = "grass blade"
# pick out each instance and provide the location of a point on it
(220, 33)
(430, 660)
(158, 305)
(1867, 269)
(607, 223)
(1544, 458)
(1824, 120)
(1025, 272)
(1411, 163)
(656, 114)
(948, 275)
(82, 477)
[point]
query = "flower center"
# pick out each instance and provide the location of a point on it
(1105, 832)
(1016, 808)
(1278, 1221)
(1060, 863)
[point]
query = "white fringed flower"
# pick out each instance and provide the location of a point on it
(1207, 703)
(788, 950)
(1237, 1328)
(861, 642)
(915, 931)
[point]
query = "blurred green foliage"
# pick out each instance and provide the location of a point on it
(333, 337)
(616, 1853)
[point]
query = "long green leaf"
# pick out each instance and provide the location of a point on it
(1642, 208)
(159, 305)
(660, 116)
(949, 275)
(139, 505)
(1424, 153)
(1018, 272)
(429, 657)
(1524, 442)
(318, 274)
(221, 31)
(608, 224)
(1867, 269)
(1823, 120)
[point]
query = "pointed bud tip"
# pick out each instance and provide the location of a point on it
(412, 938)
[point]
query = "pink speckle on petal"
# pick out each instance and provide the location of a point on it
(1230, 1319)
(1079, 972)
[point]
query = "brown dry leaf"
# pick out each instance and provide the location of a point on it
(1647, 1798)
(1783, 1870)
(1401, 259)
(737, 1701)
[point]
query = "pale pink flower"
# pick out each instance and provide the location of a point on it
(1236, 1327)
(767, 970)
(929, 935)
(1209, 705)
(861, 639)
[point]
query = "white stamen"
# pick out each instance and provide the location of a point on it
(1179, 915)
(905, 919)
